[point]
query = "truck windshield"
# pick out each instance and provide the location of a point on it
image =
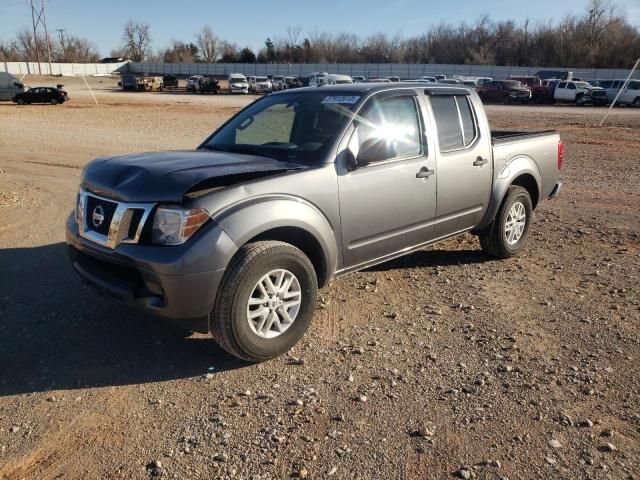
(291, 127)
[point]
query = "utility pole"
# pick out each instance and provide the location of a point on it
(38, 17)
(35, 36)
(64, 49)
(46, 36)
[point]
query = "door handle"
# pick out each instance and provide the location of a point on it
(479, 162)
(424, 172)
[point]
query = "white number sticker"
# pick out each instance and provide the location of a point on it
(350, 100)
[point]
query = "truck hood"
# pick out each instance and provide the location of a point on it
(168, 176)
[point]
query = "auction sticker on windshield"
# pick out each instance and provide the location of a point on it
(350, 100)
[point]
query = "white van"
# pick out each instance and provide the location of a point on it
(238, 83)
(10, 86)
(338, 79)
(629, 96)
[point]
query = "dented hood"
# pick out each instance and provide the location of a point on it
(168, 176)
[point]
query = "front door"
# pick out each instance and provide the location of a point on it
(464, 163)
(388, 205)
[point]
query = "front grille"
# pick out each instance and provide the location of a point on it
(111, 223)
(96, 208)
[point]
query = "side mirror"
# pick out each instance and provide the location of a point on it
(375, 150)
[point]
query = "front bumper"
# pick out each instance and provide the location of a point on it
(174, 282)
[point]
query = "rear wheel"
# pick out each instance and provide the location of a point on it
(508, 232)
(265, 302)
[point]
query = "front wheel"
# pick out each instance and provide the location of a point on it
(54, 101)
(508, 232)
(265, 302)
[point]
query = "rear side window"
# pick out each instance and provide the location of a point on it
(455, 121)
(562, 85)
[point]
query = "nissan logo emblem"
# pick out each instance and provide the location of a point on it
(97, 217)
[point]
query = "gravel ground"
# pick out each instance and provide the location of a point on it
(442, 364)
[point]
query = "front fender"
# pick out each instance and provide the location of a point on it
(249, 218)
(513, 169)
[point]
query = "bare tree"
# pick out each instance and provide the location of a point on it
(208, 44)
(137, 40)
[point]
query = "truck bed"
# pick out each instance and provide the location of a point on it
(503, 136)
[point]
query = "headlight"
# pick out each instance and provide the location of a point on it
(174, 226)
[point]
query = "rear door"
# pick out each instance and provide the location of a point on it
(388, 205)
(464, 161)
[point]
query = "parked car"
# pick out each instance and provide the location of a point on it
(150, 84)
(450, 81)
(440, 77)
(170, 81)
(260, 85)
(335, 79)
(579, 93)
(238, 83)
(193, 83)
(128, 82)
(358, 79)
(394, 78)
(235, 237)
(10, 86)
(539, 92)
(317, 79)
(430, 79)
(629, 96)
(292, 82)
(377, 80)
(277, 82)
(50, 95)
(504, 91)
(209, 85)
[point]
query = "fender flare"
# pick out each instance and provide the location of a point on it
(252, 217)
(513, 169)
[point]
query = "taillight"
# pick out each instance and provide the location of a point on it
(560, 154)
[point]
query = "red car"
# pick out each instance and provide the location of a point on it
(504, 91)
(539, 93)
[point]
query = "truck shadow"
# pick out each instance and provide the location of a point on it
(56, 333)
(433, 258)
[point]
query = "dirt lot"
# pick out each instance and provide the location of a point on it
(444, 363)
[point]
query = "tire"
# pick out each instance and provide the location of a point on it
(636, 102)
(53, 101)
(493, 239)
(230, 325)
(580, 102)
(506, 100)
(20, 101)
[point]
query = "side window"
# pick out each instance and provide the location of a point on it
(562, 85)
(571, 86)
(454, 120)
(467, 118)
(395, 120)
(633, 85)
(605, 84)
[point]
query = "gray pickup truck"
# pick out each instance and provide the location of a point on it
(302, 186)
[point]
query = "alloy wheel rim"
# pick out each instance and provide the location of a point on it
(274, 303)
(515, 223)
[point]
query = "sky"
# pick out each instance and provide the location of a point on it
(250, 22)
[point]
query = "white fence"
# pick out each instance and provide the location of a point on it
(64, 69)
(381, 70)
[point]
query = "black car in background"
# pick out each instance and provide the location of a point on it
(170, 81)
(41, 95)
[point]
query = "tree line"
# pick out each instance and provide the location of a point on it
(600, 37)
